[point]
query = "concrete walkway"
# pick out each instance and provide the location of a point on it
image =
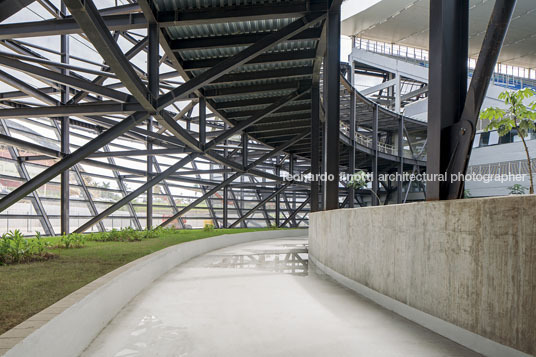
(260, 299)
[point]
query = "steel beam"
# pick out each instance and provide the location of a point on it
(70, 160)
(12, 7)
(332, 88)
(447, 88)
(259, 197)
(6, 60)
(400, 181)
(315, 146)
(295, 212)
(167, 190)
(123, 188)
(64, 139)
(226, 14)
(260, 204)
(139, 46)
(23, 173)
(235, 40)
(153, 67)
(351, 158)
(26, 88)
(374, 164)
(129, 197)
(87, 15)
(123, 22)
(462, 134)
(230, 179)
(202, 121)
(208, 201)
(71, 110)
(227, 65)
(195, 65)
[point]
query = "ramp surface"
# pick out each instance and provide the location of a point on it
(260, 299)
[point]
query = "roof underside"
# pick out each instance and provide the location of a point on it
(405, 22)
(262, 81)
(201, 34)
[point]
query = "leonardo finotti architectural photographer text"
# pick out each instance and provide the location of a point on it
(423, 177)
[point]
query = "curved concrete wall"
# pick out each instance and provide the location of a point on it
(464, 268)
(68, 327)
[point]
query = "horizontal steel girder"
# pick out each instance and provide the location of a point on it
(68, 26)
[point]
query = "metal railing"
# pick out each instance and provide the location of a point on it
(420, 58)
(517, 167)
(381, 146)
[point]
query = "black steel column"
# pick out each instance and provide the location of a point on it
(332, 72)
(225, 203)
(463, 133)
(244, 149)
(315, 145)
(291, 163)
(245, 164)
(277, 197)
(400, 182)
(225, 200)
(447, 87)
(152, 73)
(351, 165)
(202, 121)
(375, 182)
(64, 177)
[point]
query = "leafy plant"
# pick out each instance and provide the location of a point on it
(41, 245)
(359, 181)
(15, 248)
(517, 189)
(516, 116)
(208, 227)
(467, 193)
(73, 240)
(151, 233)
(127, 234)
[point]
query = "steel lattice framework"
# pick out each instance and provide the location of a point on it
(186, 111)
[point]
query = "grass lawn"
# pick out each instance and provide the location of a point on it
(26, 289)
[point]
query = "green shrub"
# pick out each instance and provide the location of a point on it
(114, 235)
(73, 240)
(208, 227)
(14, 248)
(127, 234)
(97, 237)
(517, 189)
(151, 233)
(41, 245)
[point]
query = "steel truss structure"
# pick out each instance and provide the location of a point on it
(185, 113)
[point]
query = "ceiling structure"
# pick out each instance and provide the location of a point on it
(188, 104)
(405, 22)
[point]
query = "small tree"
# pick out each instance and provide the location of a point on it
(517, 115)
(359, 181)
(517, 189)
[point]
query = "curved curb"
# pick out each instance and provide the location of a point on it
(70, 325)
(455, 333)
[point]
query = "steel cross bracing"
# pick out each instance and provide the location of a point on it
(220, 80)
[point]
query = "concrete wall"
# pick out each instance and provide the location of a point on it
(471, 263)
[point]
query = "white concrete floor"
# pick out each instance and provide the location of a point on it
(258, 299)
